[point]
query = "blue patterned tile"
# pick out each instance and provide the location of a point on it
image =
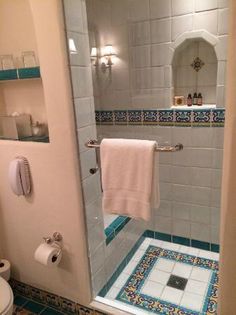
(166, 117)
(106, 117)
(98, 117)
(134, 117)
(120, 117)
(201, 118)
(183, 118)
(150, 117)
(218, 117)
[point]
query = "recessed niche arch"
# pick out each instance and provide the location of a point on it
(194, 65)
(194, 69)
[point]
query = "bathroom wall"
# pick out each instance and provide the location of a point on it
(103, 259)
(15, 38)
(142, 34)
(56, 202)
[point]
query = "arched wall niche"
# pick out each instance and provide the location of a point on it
(195, 62)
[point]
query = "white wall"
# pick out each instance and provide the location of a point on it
(143, 34)
(56, 201)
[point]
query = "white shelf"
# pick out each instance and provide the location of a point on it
(185, 107)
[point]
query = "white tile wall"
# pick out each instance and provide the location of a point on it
(181, 24)
(160, 8)
(181, 7)
(203, 5)
(161, 31)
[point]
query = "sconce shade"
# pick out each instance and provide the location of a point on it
(94, 52)
(109, 50)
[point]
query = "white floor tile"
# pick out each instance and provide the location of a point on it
(112, 293)
(145, 243)
(121, 280)
(172, 295)
(197, 287)
(138, 255)
(200, 274)
(189, 250)
(192, 301)
(156, 243)
(170, 246)
(153, 289)
(208, 255)
(130, 267)
(182, 270)
(159, 276)
(164, 265)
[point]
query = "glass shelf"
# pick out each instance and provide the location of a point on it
(19, 74)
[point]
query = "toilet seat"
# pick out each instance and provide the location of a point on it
(6, 300)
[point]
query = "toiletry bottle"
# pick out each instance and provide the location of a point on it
(199, 99)
(195, 98)
(189, 100)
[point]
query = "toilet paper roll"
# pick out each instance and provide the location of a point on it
(47, 255)
(5, 269)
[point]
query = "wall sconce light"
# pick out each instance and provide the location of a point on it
(107, 60)
(94, 56)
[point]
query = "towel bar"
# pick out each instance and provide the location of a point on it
(178, 147)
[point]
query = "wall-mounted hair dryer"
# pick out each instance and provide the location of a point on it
(19, 176)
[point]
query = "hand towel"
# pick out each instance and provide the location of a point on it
(128, 181)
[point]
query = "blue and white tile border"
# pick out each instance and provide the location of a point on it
(163, 117)
(131, 291)
(158, 236)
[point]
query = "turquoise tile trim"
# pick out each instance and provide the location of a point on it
(181, 240)
(163, 117)
(29, 73)
(215, 248)
(162, 236)
(115, 227)
(200, 244)
(10, 74)
(20, 300)
(34, 307)
(30, 300)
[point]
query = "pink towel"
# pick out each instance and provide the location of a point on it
(128, 177)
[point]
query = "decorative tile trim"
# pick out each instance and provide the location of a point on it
(131, 291)
(115, 227)
(182, 240)
(159, 236)
(163, 117)
(31, 299)
(22, 73)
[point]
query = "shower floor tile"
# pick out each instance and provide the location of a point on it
(145, 283)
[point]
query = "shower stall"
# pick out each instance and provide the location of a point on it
(134, 65)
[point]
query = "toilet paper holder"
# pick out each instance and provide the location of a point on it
(55, 240)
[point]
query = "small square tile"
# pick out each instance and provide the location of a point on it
(20, 300)
(150, 117)
(200, 274)
(197, 287)
(165, 265)
(134, 117)
(166, 117)
(218, 117)
(120, 117)
(183, 118)
(201, 118)
(106, 117)
(172, 295)
(170, 246)
(192, 301)
(159, 276)
(152, 289)
(182, 270)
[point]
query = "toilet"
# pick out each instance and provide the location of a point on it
(6, 300)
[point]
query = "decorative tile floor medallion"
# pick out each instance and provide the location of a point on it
(148, 287)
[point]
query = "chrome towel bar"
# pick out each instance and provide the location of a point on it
(178, 147)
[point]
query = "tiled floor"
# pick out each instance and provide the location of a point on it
(144, 283)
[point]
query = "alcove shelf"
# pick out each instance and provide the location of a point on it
(19, 74)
